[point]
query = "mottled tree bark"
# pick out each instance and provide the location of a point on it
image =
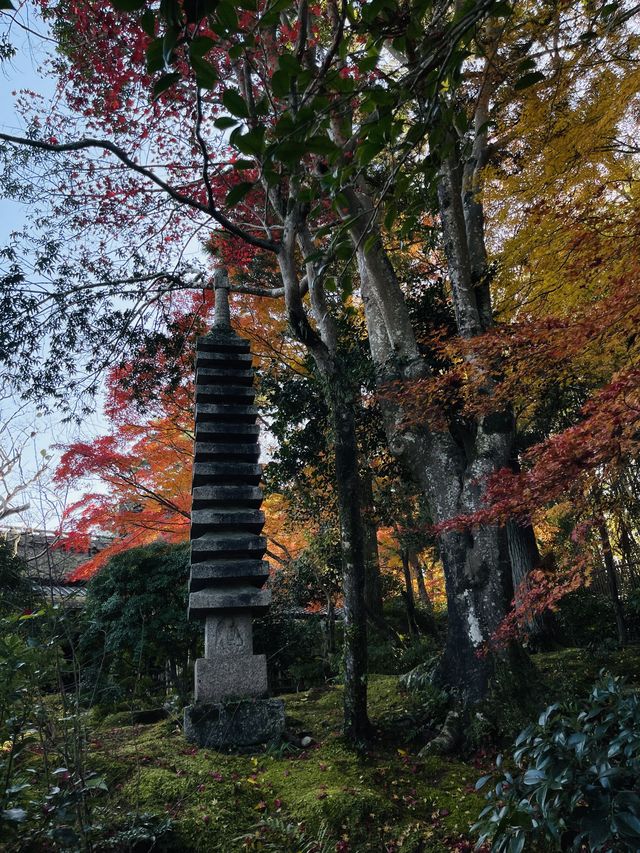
(451, 465)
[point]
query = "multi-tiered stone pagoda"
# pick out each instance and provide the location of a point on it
(227, 570)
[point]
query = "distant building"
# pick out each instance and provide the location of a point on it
(50, 559)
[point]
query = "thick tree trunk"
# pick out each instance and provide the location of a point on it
(452, 466)
(452, 474)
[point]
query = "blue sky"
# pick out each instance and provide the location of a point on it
(24, 72)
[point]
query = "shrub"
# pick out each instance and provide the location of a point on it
(576, 782)
(136, 615)
(586, 616)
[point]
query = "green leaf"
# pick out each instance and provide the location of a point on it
(416, 133)
(501, 10)
(196, 10)
(526, 64)
(200, 45)
(609, 9)
(148, 23)
(280, 83)
(533, 777)
(251, 142)
(225, 122)
(96, 782)
(321, 145)
(290, 151)
(344, 251)
(206, 74)
(367, 152)
(390, 217)
(171, 11)
(226, 14)
(289, 63)
(155, 60)
(528, 80)
(371, 10)
(235, 104)
(368, 63)
(628, 825)
(168, 43)
(165, 82)
(237, 193)
(242, 165)
(123, 5)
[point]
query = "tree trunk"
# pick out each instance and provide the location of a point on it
(452, 465)
(323, 345)
(410, 601)
(423, 595)
(612, 581)
(372, 585)
(356, 722)
(524, 556)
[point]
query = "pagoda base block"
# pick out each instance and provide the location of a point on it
(234, 724)
(223, 677)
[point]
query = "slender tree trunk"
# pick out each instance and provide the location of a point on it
(356, 722)
(323, 345)
(331, 626)
(423, 595)
(409, 598)
(524, 556)
(372, 585)
(612, 581)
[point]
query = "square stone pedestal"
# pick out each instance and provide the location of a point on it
(228, 725)
(223, 677)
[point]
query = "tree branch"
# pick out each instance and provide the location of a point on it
(106, 145)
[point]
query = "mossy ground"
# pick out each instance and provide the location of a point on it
(330, 795)
(374, 800)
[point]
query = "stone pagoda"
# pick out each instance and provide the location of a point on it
(227, 570)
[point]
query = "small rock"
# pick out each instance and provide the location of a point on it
(306, 741)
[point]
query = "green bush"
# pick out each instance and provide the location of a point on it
(585, 616)
(136, 635)
(576, 780)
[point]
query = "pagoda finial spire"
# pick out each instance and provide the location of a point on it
(222, 318)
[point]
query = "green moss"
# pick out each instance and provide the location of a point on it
(214, 800)
(284, 798)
